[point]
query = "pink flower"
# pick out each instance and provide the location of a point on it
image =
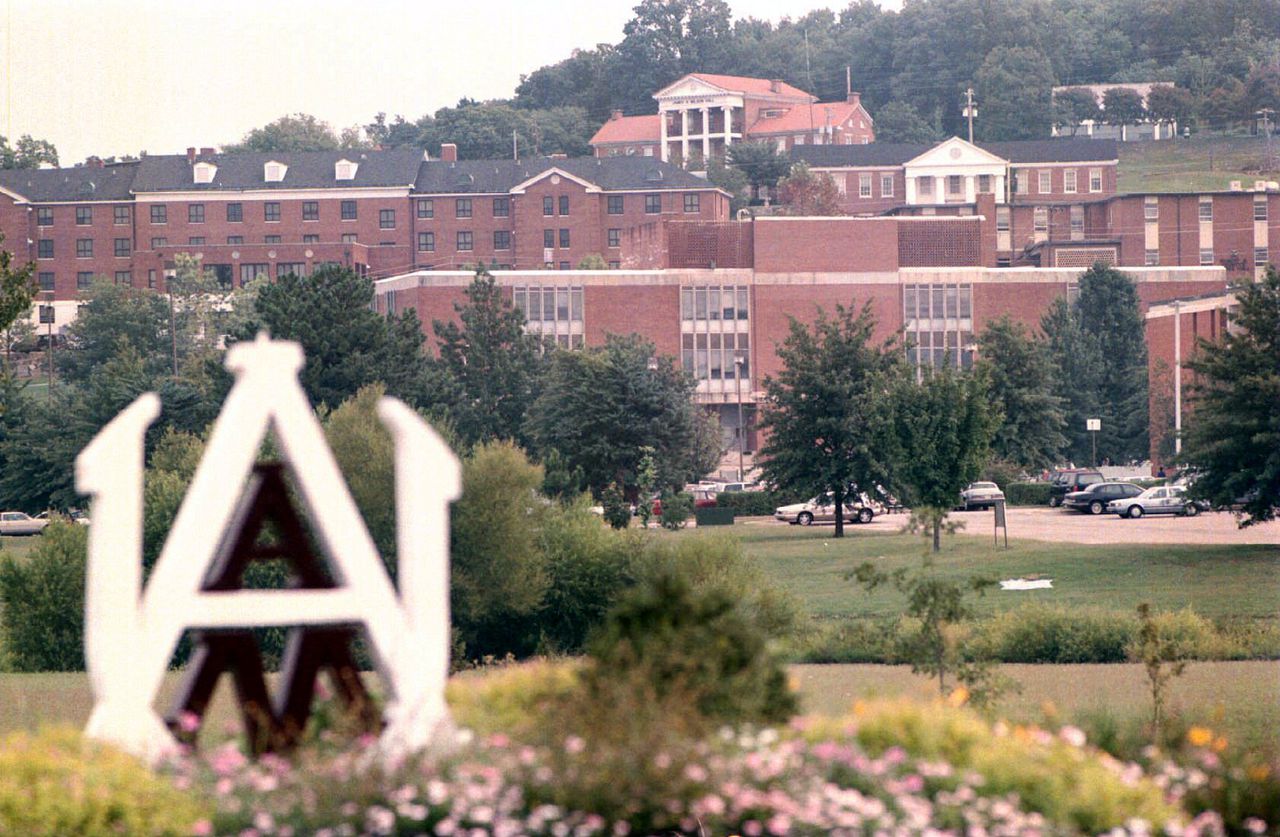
(574, 745)
(188, 722)
(201, 828)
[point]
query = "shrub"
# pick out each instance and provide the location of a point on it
(676, 509)
(1027, 493)
(58, 783)
(852, 641)
(755, 503)
(1055, 634)
(617, 511)
(42, 617)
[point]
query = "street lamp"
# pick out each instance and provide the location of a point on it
(740, 361)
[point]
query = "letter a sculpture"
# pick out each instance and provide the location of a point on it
(196, 585)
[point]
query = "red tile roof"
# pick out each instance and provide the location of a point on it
(805, 118)
(629, 129)
(745, 84)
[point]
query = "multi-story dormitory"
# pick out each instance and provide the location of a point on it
(376, 212)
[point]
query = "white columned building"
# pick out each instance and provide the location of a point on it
(958, 171)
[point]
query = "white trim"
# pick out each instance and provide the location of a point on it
(1168, 308)
(271, 194)
(521, 188)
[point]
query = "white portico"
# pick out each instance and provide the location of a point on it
(954, 171)
(702, 114)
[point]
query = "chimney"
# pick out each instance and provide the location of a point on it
(617, 114)
(191, 154)
(853, 97)
(449, 152)
(775, 85)
(94, 163)
(206, 152)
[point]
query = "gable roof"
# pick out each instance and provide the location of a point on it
(756, 86)
(305, 170)
(630, 129)
(81, 183)
(501, 176)
(1066, 150)
(808, 117)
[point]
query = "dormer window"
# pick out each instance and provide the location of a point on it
(344, 170)
(273, 172)
(204, 172)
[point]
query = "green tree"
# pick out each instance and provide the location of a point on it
(732, 180)
(490, 369)
(827, 411)
(666, 39)
(1073, 106)
(113, 317)
(293, 132)
(1107, 308)
(1233, 437)
(1166, 103)
(761, 162)
(901, 122)
(1077, 372)
(601, 406)
(29, 153)
(1021, 375)
(1015, 94)
(365, 452)
(485, 130)
(17, 292)
(42, 621)
(942, 431)
(808, 193)
(346, 343)
(1122, 106)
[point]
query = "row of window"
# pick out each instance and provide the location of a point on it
(727, 303)
(347, 211)
(936, 302)
(1151, 258)
(1151, 208)
(84, 278)
(84, 215)
(716, 356)
(549, 304)
(84, 248)
(1044, 181)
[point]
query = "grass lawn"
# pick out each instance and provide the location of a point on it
(1197, 164)
(1216, 581)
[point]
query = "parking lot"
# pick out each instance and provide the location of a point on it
(1046, 524)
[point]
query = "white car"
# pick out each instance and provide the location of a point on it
(980, 495)
(822, 510)
(1159, 499)
(20, 523)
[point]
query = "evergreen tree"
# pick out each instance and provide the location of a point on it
(1076, 367)
(1021, 383)
(1108, 311)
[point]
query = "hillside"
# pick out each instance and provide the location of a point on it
(1201, 163)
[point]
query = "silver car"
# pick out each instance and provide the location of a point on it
(1160, 499)
(20, 523)
(980, 495)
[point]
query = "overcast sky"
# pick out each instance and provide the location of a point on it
(120, 76)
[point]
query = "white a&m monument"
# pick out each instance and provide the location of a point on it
(196, 586)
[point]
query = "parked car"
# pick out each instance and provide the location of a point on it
(1074, 479)
(74, 515)
(1159, 499)
(20, 523)
(980, 495)
(822, 510)
(1095, 498)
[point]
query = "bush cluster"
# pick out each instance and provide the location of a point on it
(42, 598)
(1027, 493)
(755, 503)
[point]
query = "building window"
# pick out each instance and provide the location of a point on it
(614, 204)
(653, 204)
(1151, 209)
(1069, 181)
(864, 185)
(465, 240)
(271, 211)
(426, 208)
(120, 215)
(554, 311)
(46, 281)
(548, 239)
(84, 279)
(124, 277)
(1077, 222)
(1152, 258)
(84, 216)
(198, 241)
(1022, 181)
(84, 248)
(269, 239)
(311, 210)
(1206, 255)
(886, 185)
(123, 247)
(44, 216)
(1095, 180)
(955, 184)
(44, 249)
(349, 238)
(386, 219)
(1259, 207)
(1045, 186)
(151, 279)
(1259, 256)
(564, 204)
(159, 241)
(984, 184)
(249, 272)
(426, 242)
(924, 187)
(1002, 219)
(708, 348)
(235, 239)
(938, 319)
(615, 237)
(692, 203)
(462, 208)
(1040, 219)
(548, 205)
(501, 207)
(347, 210)
(291, 269)
(159, 213)
(1206, 209)
(564, 238)
(195, 213)
(502, 239)
(235, 212)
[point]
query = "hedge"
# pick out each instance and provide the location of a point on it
(755, 503)
(1027, 493)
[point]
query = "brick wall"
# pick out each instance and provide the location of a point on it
(787, 245)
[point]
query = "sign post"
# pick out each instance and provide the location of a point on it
(1093, 426)
(1000, 523)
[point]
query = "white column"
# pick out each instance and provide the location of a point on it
(970, 189)
(1000, 188)
(706, 135)
(909, 191)
(1177, 377)
(728, 125)
(939, 189)
(684, 137)
(662, 128)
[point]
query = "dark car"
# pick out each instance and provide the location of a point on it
(1095, 498)
(1074, 479)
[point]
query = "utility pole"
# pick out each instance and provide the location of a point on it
(969, 110)
(515, 147)
(1266, 115)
